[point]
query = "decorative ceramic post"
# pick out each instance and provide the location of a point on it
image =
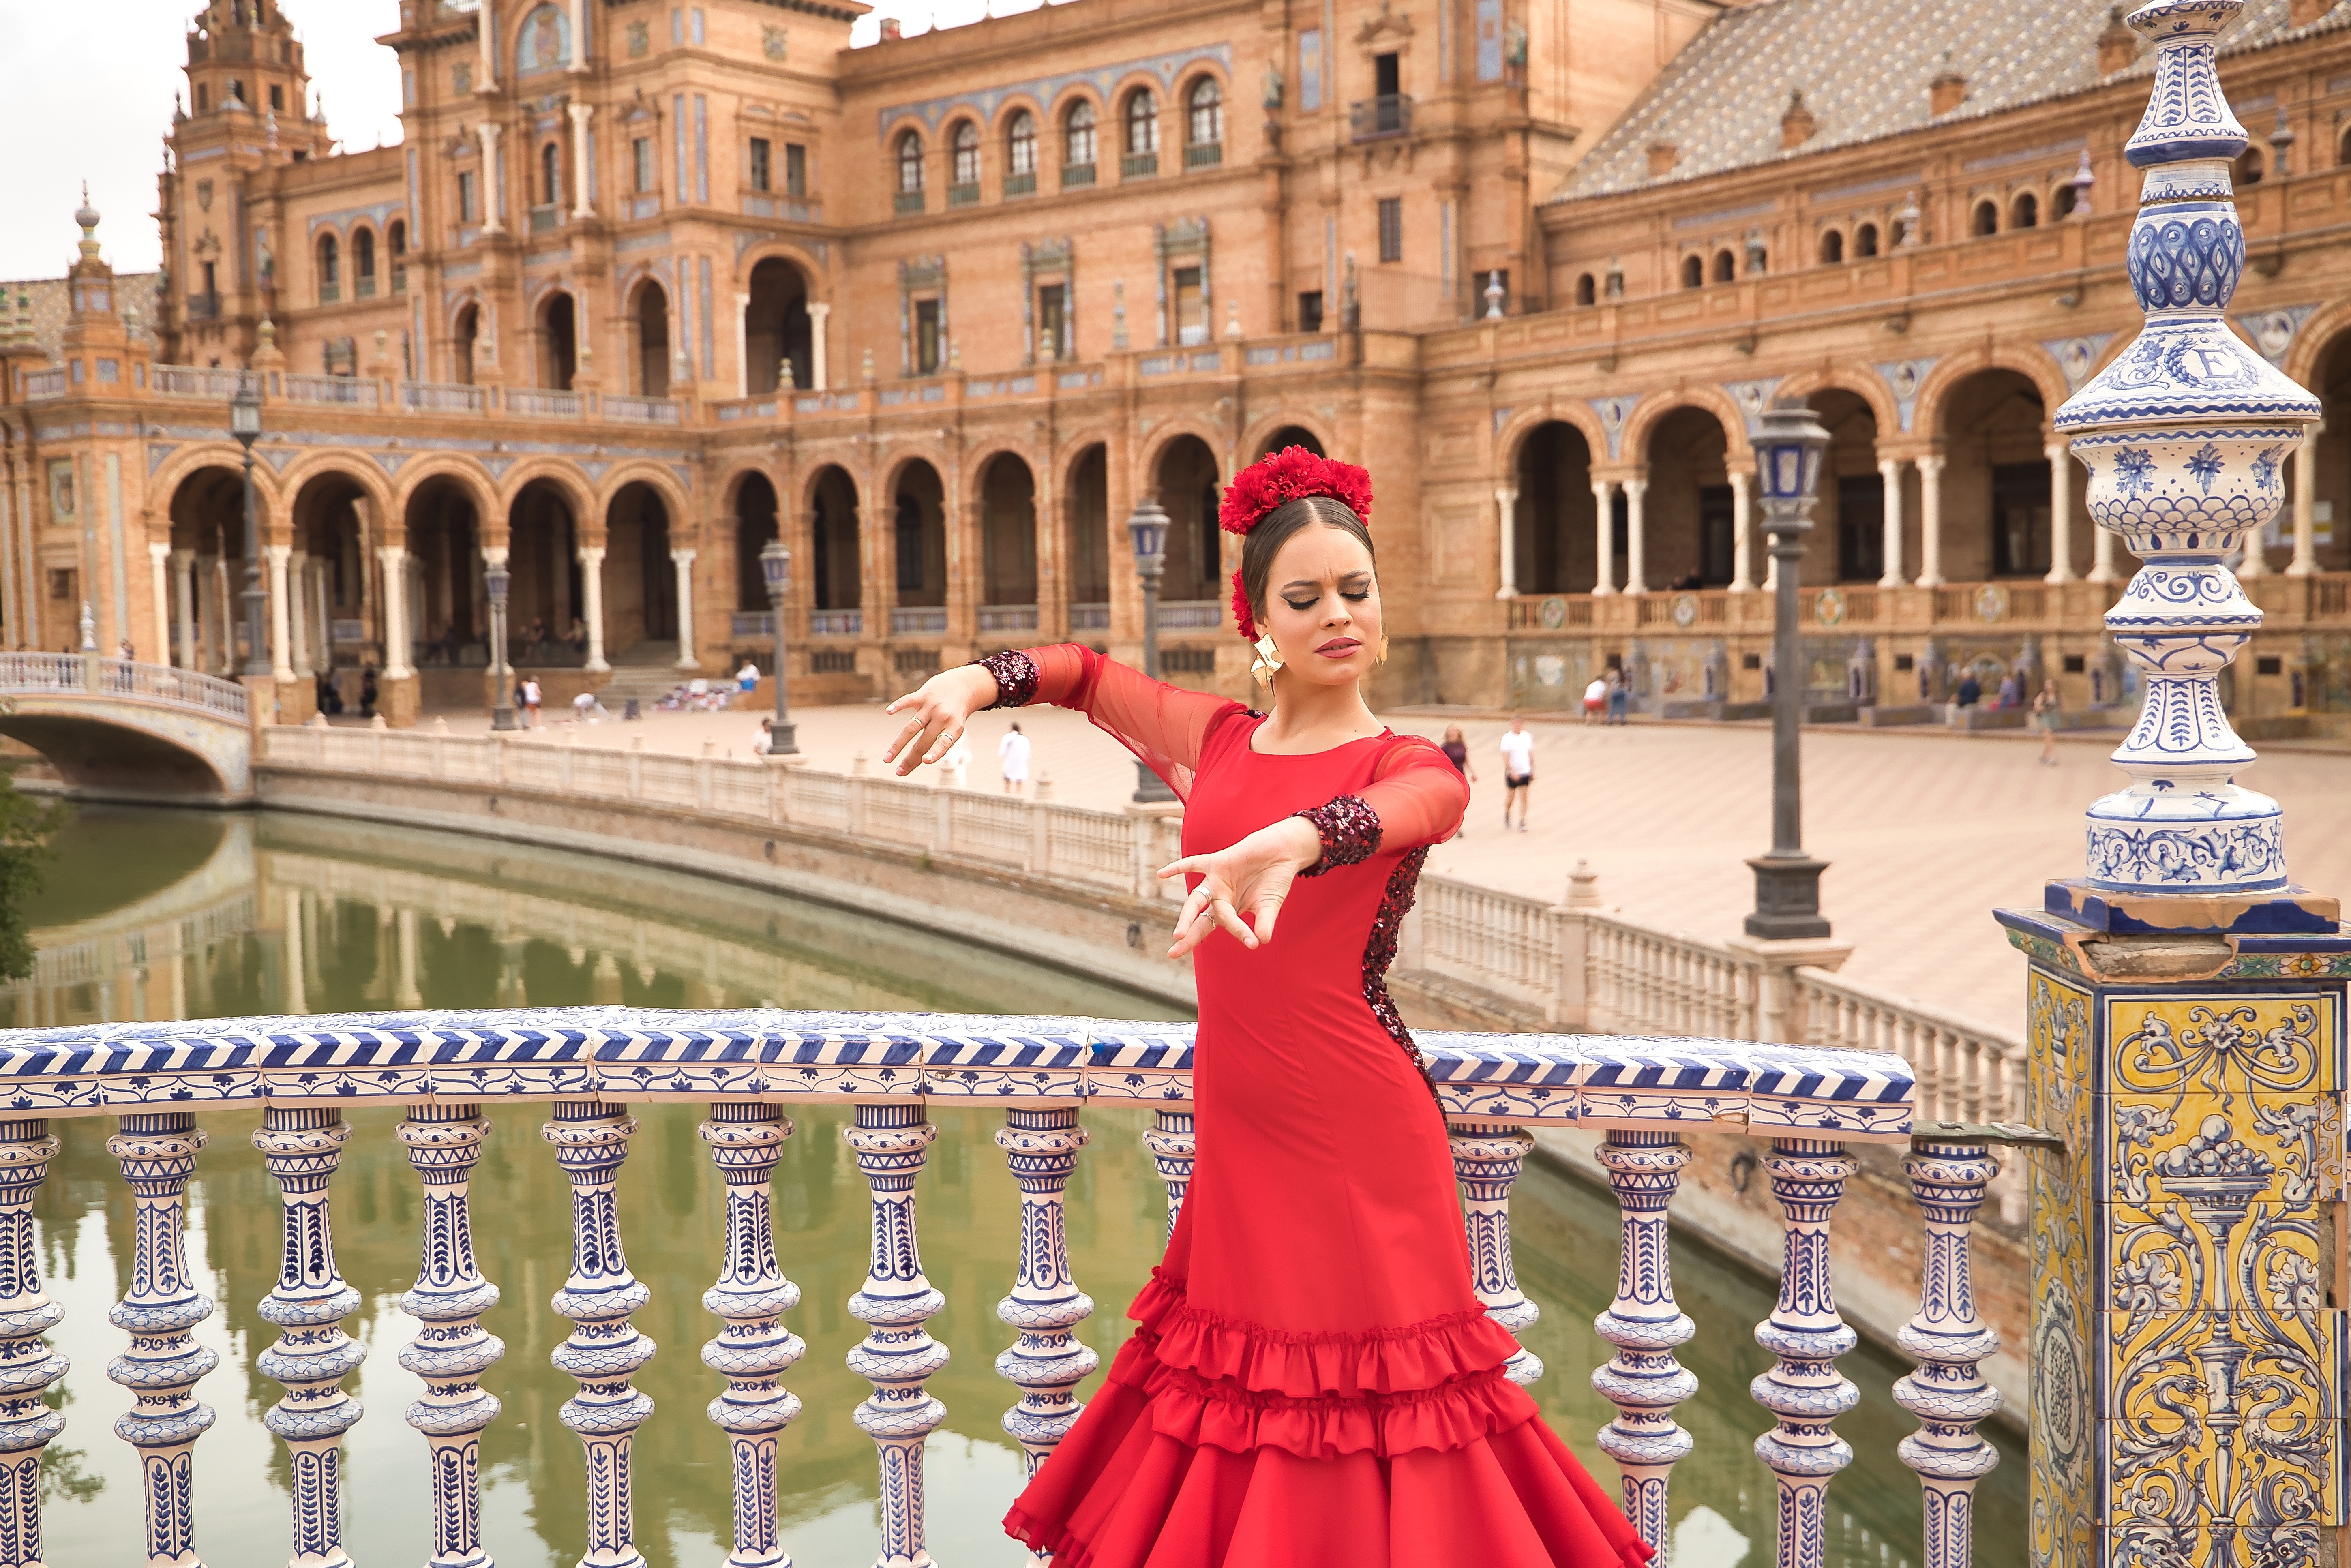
(28, 1368)
(753, 1351)
(1805, 1336)
(302, 1145)
(1173, 1149)
(453, 1350)
(1643, 1380)
(591, 1139)
(2184, 1006)
(898, 1355)
(1047, 1363)
(1947, 1393)
(1486, 1160)
(158, 1153)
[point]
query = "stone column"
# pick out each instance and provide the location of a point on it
(1636, 580)
(819, 310)
(184, 586)
(1889, 475)
(2305, 507)
(486, 79)
(279, 669)
(686, 655)
(742, 345)
(10, 605)
(493, 177)
(159, 593)
(1930, 520)
(1506, 517)
(396, 612)
(298, 606)
(1604, 492)
(591, 604)
(2061, 515)
(582, 206)
(2101, 557)
(1742, 531)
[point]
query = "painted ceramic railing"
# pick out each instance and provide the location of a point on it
(587, 1065)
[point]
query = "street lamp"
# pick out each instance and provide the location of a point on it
(497, 579)
(775, 567)
(1787, 881)
(1147, 524)
(244, 423)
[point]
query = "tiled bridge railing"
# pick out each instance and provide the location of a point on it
(587, 1065)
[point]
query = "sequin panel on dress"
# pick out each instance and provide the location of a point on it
(1350, 830)
(1404, 884)
(1016, 677)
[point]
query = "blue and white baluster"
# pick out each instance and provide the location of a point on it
(1643, 1380)
(755, 1349)
(898, 1353)
(1947, 1393)
(453, 1350)
(604, 1349)
(1173, 1149)
(1486, 1160)
(1047, 1363)
(28, 1368)
(158, 1153)
(1805, 1336)
(302, 1145)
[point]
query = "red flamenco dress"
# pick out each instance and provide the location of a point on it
(1314, 1382)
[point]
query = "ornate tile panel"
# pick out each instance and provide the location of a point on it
(1640, 1084)
(1149, 1061)
(2059, 1093)
(1853, 1095)
(997, 1057)
(1529, 1078)
(821, 1056)
(661, 1054)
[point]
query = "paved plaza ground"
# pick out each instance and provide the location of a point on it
(1924, 831)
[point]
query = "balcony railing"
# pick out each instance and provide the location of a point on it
(1021, 185)
(908, 202)
(917, 621)
(644, 409)
(203, 306)
(194, 380)
(44, 383)
(438, 397)
(1008, 618)
(534, 402)
(1075, 175)
(962, 195)
(33, 673)
(1204, 155)
(836, 624)
(1088, 617)
(337, 391)
(746, 624)
(1191, 614)
(1390, 114)
(1136, 165)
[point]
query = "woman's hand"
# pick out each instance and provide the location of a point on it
(1254, 875)
(942, 705)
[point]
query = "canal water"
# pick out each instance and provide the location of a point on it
(159, 915)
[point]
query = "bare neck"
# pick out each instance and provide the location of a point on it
(1308, 716)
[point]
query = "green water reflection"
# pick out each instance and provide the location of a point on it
(159, 915)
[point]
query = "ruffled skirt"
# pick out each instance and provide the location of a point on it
(1220, 1444)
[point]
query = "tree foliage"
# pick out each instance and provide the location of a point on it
(26, 825)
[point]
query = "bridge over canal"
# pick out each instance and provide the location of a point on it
(118, 728)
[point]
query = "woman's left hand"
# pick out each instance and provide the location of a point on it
(1254, 875)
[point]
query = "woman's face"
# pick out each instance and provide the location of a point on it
(1323, 607)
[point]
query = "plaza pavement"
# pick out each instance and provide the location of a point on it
(1924, 831)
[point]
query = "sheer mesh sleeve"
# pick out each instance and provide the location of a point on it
(1163, 725)
(1419, 795)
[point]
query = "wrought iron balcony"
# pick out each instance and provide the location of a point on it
(1390, 114)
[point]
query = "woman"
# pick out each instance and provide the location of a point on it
(1313, 1383)
(1456, 752)
(2046, 704)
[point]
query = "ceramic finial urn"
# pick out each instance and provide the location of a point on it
(2184, 436)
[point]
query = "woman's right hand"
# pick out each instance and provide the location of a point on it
(941, 706)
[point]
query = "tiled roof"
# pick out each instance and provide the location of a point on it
(136, 296)
(1864, 66)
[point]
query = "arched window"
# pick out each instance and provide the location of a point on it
(331, 270)
(1987, 219)
(1205, 121)
(1726, 267)
(363, 262)
(2062, 202)
(550, 175)
(1833, 246)
(204, 98)
(1020, 151)
(1864, 240)
(1693, 271)
(910, 164)
(2343, 151)
(964, 141)
(395, 237)
(1586, 292)
(1077, 137)
(2026, 213)
(2250, 166)
(1142, 123)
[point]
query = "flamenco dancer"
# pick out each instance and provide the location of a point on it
(1312, 1382)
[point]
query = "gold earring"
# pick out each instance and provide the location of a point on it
(1382, 656)
(1268, 659)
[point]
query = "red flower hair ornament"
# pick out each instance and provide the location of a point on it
(1273, 481)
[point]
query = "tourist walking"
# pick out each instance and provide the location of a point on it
(2045, 705)
(1518, 770)
(1620, 697)
(1315, 1381)
(1456, 752)
(1596, 701)
(531, 697)
(1012, 759)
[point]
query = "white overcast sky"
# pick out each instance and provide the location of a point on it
(86, 94)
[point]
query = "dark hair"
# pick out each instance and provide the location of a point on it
(1274, 530)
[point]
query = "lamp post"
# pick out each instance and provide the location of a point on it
(775, 567)
(1787, 881)
(244, 423)
(495, 579)
(1147, 525)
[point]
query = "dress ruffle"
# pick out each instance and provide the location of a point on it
(1412, 1359)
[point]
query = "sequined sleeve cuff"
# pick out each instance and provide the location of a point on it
(1016, 677)
(1350, 830)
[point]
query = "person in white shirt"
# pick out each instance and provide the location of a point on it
(1518, 770)
(957, 762)
(1596, 701)
(1013, 755)
(747, 678)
